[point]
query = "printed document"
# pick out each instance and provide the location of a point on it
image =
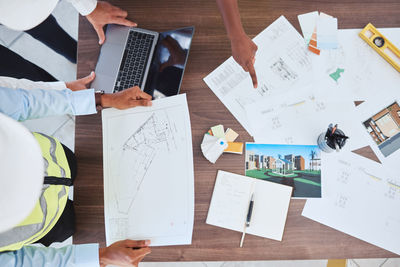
(148, 173)
(282, 64)
(360, 199)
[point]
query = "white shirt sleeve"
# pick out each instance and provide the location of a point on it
(84, 7)
(86, 255)
(13, 83)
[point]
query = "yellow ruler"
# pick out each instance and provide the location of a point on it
(381, 45)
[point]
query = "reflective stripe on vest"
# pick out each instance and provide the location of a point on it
(51, 203)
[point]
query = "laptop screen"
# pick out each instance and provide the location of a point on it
(168, 63)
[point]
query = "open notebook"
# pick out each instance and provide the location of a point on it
(230, 202)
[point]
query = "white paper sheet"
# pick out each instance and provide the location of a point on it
(148, 173)
(366, 76)
(282, 63)
(307, 23)
(300, 118)
(230, 203)
(327, 27)
(360, 199)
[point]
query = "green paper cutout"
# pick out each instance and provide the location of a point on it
(336, 74)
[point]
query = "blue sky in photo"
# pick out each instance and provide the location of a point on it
(283, 150)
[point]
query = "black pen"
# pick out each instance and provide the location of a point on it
(248, 218)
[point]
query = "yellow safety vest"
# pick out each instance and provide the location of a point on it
(51, 203)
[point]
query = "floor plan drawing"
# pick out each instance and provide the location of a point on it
(138, 153)
(148, 173)
(282, 61)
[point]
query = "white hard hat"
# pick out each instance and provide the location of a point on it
(21, 172)
(22, 15)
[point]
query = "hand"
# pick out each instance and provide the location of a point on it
(127, 98)
(82, 83)
(244, 52)
(124, 253)
(104, 14)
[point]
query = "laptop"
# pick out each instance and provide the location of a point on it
(137, 57)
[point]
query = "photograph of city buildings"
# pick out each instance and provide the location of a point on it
(298, 166)
(384, 128)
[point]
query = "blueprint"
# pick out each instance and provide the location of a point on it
(282, 63)
(138, 153)
(148, 173)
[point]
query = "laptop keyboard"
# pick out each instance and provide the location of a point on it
(134, 61)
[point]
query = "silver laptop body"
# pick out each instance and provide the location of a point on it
(112, 54)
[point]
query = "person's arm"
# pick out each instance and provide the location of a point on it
(121, 253)
(243, 48)
(22, 104)
(84, 7)
(14, 83)
(76, 85)
(100, 14)
(86, 255)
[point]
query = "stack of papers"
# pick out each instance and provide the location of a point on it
(300, 94)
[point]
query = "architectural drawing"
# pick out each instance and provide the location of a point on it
(359, 199)
(281, 62)
(148, 173)
(137, 155)
(278, 31)
(283, 71)
(298, 54)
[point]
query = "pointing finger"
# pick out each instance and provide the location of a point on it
(253, 75)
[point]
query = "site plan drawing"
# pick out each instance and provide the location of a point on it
(138, 153)
(148, 173)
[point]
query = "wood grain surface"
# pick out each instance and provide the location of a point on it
(303, 238)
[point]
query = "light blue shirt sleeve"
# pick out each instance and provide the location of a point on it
(86, 255)
(22, 104)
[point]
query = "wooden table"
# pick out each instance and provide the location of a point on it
(303, 238)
